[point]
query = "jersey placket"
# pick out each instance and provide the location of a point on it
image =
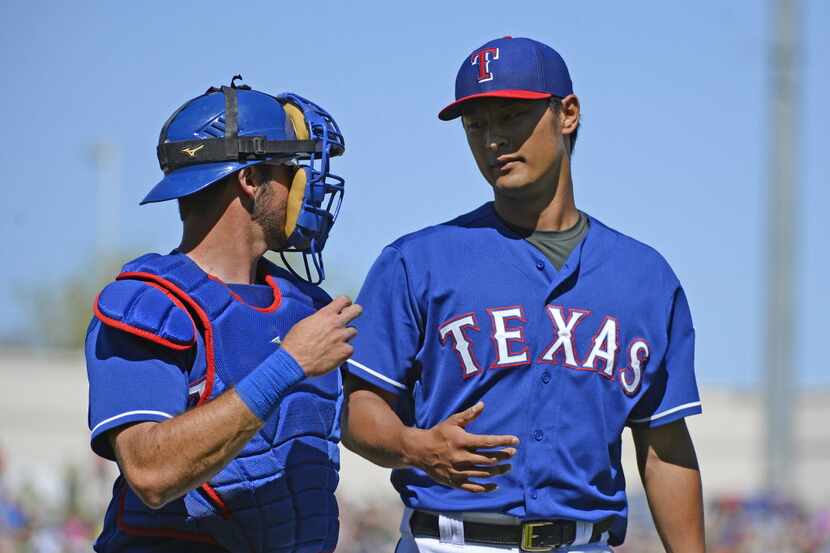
(544, 389)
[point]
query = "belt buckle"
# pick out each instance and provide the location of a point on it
(529, 536)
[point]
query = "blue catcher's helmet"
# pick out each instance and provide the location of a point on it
(233, 127)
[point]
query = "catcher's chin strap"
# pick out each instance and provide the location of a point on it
(232, 147)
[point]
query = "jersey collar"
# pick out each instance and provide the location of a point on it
(582, 258)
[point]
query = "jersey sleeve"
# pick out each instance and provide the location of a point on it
(388, 330)
(130, 380)
(672, 393)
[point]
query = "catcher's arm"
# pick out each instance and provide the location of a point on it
(671, 477)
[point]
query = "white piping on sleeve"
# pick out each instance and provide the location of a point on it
(376, 374)
(666, 412)
(129, 413)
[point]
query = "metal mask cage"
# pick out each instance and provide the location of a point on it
(330, 189)
(324, 193)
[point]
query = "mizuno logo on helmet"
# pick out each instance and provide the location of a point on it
(191, 152)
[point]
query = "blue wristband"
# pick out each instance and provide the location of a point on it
(263, 389)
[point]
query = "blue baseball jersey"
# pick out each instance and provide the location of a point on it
(468, 310)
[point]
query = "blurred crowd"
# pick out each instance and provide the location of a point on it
(32, 523)
(738, 524)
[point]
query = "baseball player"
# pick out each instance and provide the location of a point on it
(500, 355)
(211, 377)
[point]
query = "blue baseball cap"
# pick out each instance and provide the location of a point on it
(509, 67)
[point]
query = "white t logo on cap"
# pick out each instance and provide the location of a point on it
(482, 58)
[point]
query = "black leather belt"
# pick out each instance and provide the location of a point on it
(535, 535)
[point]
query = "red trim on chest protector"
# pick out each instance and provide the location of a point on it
(203, 318)
(210, 355)
(146, 334)
(213, 495)
(156, 532)
(269, 280)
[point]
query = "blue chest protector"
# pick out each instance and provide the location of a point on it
(277, 495)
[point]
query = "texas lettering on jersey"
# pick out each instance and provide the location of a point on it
(506, 330)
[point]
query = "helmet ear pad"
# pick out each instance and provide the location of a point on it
(299, 183)
(294, 205)
(298, 122)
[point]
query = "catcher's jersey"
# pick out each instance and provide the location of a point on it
(468, 310)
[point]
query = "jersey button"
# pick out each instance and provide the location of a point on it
(534, 495)
(540, 265)
(538, 435)
(546, 377)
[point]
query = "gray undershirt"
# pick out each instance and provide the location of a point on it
(557, 245)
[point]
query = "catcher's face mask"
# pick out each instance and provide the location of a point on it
(316, 194)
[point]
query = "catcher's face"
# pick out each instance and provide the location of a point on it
(269, 203)
(517, 144)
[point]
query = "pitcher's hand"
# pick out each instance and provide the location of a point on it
(450, 455)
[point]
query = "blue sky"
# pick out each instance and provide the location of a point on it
(673, 146)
